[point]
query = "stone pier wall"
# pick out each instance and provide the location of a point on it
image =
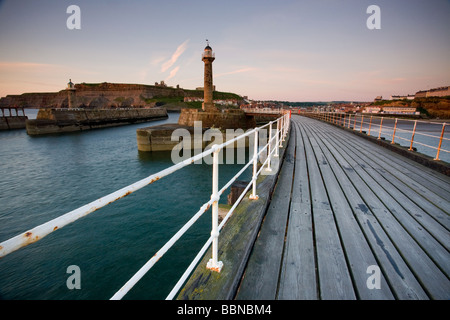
(11, 123)
(229, 119)
(68, 120)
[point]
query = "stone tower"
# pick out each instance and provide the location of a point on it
(210, 116)
(208, 58)
(71, 93)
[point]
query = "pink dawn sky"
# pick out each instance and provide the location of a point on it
(311, 50)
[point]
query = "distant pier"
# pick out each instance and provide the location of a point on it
(61, 120)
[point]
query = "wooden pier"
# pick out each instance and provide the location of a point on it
(348, 219)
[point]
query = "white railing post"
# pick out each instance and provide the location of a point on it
(280, 134)
(213, 264)
(42, 230)
(287, 124)
(269, 148)
(277, 142)
(283, 125)
(440, 142)
(253, 196)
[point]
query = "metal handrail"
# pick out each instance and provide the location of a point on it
(43, 230)
(213, 263)
(345, 120)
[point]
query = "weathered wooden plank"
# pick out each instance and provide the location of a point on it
(398, 274)
(391, 197)
(260, 280)
(357, 250)
(344, 213)
(404, 196)
(426, 205)
(298, 274)
(414, 177)
(435, 282)
(422, 176)
(334, 277)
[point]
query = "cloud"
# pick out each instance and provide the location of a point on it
(169, 63)
(173, 73)
(23, 66)
(31, 67)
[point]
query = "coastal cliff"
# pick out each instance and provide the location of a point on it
(109, 95)
(432, 107)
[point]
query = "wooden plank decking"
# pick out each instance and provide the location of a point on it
(341, 205)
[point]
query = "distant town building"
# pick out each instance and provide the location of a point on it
(439, 92)
(408, 97)
(161, 84)
(421, 94)
(378, 98)
(372, 109)
(435, 92)
(400, 110)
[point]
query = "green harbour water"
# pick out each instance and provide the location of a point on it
(45, 177)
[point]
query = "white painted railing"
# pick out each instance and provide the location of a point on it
(273, 144)
(264, 110)
(369, 123)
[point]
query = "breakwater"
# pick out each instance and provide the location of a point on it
(9, 121)
(69, 120)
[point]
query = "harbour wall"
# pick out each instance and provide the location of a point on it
(165, 138)
(69, 120)
(228, 119)
(161, 138)
(13, 122)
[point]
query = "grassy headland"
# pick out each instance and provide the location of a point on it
(432, 107)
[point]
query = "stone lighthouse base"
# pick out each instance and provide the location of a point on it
(159, 138)
(226, 119)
